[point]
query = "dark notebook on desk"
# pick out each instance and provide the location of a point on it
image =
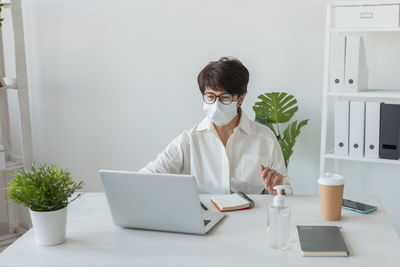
(320, 241)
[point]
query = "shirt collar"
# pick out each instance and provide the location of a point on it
(244, 124)
(205, 124)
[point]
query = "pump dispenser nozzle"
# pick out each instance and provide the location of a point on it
(278, 200)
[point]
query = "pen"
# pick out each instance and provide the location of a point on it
(243, 195)
(203, 206)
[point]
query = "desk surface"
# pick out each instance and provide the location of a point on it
(238, 240)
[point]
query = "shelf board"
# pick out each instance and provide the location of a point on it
(372, 93)
(6, 5)
(12, 166)
(8, 239)
(8, 87)
(362, 159)
(10, 83)
(394, 29)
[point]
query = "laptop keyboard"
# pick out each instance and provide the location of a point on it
(206, 222)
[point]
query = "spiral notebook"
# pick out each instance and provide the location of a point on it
(237, 201)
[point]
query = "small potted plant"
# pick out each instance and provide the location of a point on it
(46, 192)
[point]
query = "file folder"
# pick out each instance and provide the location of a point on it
(341, 124)
(356, 69)
(372, 123)
(352, 63)
(337, 58)
(389, 138)
(356, 136)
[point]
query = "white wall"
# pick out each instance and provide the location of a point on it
(112, 82)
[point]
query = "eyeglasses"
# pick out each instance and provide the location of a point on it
(224, 98)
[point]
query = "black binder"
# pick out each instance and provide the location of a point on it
(389, 134)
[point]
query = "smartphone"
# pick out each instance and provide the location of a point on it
(357, 206)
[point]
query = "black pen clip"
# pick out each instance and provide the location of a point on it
(243, 195)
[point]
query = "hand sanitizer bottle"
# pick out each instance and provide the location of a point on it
(278, 222)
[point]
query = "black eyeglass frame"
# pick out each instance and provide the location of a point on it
(219, 96)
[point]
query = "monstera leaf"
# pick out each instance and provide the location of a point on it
(275, 108)
(289, 139)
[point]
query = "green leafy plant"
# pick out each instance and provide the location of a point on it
(44, 189)
(275, 108)
(1, 19)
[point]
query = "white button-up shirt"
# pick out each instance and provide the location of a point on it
(219, 169)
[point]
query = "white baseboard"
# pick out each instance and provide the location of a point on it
(15, 157)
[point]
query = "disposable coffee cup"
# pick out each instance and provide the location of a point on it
(331, 195)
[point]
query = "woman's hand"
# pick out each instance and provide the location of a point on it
(270, 179)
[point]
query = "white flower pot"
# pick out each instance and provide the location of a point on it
(49, 226)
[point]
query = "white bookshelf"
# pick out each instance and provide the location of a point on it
(327, 153)
(20, 83)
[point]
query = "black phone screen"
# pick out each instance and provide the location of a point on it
(357, 205)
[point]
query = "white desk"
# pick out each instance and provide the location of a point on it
(238, 240)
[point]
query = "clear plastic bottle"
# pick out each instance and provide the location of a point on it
(278, 222)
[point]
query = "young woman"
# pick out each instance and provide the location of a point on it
(226, 151)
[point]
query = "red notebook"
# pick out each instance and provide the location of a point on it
(232, 202)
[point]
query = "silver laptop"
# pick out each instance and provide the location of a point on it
(164, 202)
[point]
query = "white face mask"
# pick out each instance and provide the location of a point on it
(219, 113)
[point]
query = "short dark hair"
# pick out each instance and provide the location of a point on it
(226, 74)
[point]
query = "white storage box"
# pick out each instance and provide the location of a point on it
(367, 16)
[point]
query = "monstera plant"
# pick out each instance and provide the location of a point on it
(276, 108)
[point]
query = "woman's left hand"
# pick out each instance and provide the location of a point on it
(270, 179)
